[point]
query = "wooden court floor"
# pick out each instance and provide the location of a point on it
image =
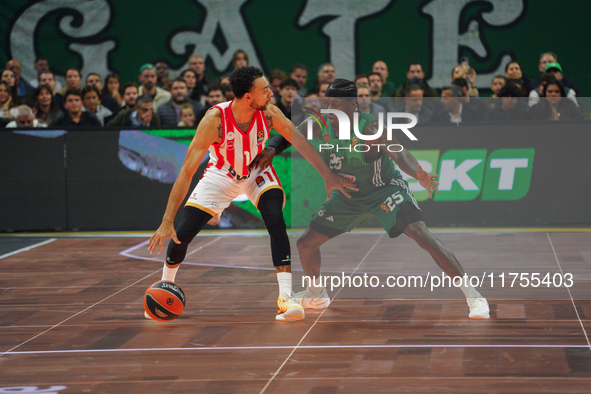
(71, 319)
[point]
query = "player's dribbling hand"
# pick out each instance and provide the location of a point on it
(340, 183)
(263, 159)
(157, 240)
(427, 181)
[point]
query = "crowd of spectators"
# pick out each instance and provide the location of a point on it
(159, 100)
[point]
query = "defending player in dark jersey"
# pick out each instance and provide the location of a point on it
(382, 194)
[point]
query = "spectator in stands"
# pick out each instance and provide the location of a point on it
(239, 59)
(326, 73)
(547, 58)
(162, 78)
(275, 78)
(555, 71)
(366, 104)
(6, 100)
(187, 116)
(415, 70)
(535, 94)
(45, 108)
(470, 101)
(555, 106)
(130, 94)
(514, 73)
(48, 78)
(452, 109)
(8, 77)
(361, 79)
(73, 82)
(41, 65)
(22, 87)
(497, 83)
(74, 116)
(287, 92)
(510, 107)
(214, 97)
(148, 86)
(388, 88)
(322, 88)
(376, 83)
(113, 84)
(141, 116)
(170, 112)
(93, 79)
(92, 104)
(204, 83)
(469, 74)
(24, 118)
(299, 73)
(413, 104)
(313, 101)
(190, 78)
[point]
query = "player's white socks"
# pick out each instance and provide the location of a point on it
(169, 273)
(284, 279)
(469, 291)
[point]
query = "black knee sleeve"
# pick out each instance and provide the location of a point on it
(192, 221)
(270, 206)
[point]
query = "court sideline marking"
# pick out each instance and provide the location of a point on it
(303, 347)
(318, 318)
(569, 293)
(27, 248)
(78, 313)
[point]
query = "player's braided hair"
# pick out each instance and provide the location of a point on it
(343, 88)
(243, 78)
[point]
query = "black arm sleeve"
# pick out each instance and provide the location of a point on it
(279, 143)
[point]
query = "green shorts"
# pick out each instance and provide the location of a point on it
(344, 214)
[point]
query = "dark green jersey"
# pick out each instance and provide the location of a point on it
(347, 157)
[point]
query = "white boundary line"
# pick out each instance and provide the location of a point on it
(76, 314)
(318, 318)
(302, 347)
(47, 241)
(569, 293)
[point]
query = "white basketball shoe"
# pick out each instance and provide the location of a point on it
(310, 300)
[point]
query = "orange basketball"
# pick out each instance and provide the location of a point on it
(164, 301)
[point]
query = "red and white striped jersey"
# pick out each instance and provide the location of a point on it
(237, 149)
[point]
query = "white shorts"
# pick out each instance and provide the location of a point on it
(216, 190)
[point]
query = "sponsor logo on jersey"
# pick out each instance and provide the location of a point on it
(321, 212)
(260, 135)
(326, 137)
(330, 218)
(230, 135)
(230, 144)
(260, 181)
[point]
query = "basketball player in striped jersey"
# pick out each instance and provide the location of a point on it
(235, 132)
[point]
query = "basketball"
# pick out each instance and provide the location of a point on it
(164, 301)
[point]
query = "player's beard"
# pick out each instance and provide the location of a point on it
(260, 107)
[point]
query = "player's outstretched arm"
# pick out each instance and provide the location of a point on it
(405, 161)
(208, 132)
(278, 121)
